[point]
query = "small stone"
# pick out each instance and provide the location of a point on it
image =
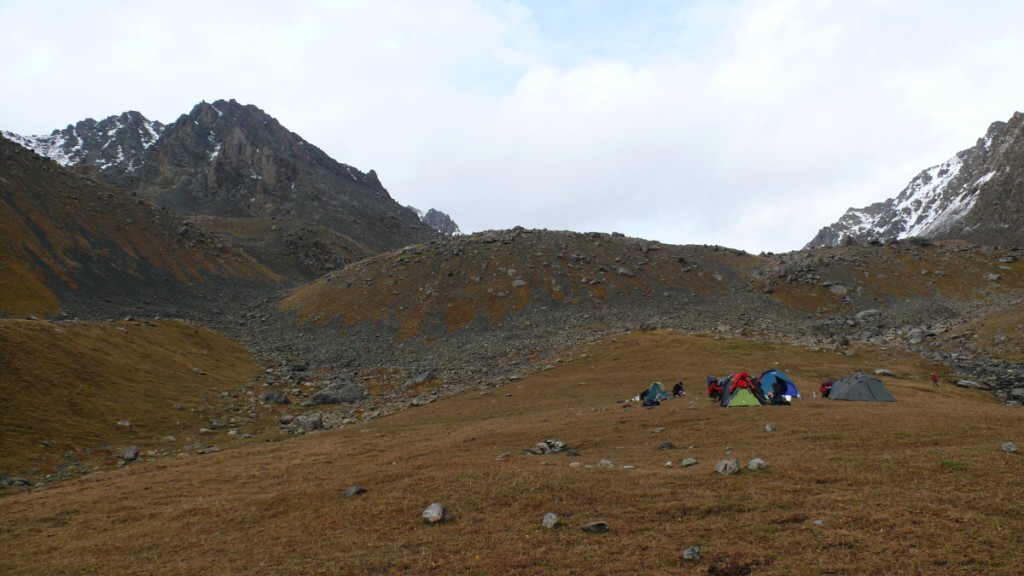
(355, 491)
(668, 464)
(629, 467)
(687, 462)
(1009, 448)
(769, 427)
(572, 452)
(692, 553)
(596, 527)
(657, 431)
(124, 423)
(605, 464)
(550, 521)
(575, 464)
(130, 453)
(666, 446)
(436, 513)
(504, 456)
(727, 467)
(756, 464)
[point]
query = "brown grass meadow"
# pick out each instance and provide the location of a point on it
(919, 486)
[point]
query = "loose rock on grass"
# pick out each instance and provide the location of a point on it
(1009, 448)
(756, 464)
(436, 513)
(596, 527)
(550, 521)
(355, 491)
(727, 467)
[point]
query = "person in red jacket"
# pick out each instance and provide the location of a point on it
(826, 388)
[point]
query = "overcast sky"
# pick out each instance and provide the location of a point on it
(744, 123)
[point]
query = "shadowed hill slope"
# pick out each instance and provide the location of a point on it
(72, 244)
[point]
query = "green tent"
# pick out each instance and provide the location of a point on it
(741, 397)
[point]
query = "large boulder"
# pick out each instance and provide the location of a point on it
(339, 392)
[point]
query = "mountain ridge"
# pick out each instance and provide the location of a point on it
(977, 195)
(225, 160)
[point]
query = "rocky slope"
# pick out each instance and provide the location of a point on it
(482, 307)
(977, 195)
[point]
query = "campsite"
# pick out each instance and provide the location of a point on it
(916, 486)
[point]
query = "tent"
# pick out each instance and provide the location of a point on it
(739, 390)
(656, 393)
(768, 379)
(860, 386)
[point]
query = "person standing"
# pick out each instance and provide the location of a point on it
(935, 380)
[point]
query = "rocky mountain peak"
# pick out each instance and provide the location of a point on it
(438, 220)
(977, 194)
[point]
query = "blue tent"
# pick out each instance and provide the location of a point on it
(656, 393)
(769, 378)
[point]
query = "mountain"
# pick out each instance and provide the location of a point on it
(304, 213)
(107, 149)
(72, 245)
(977, 195)
(438, 220)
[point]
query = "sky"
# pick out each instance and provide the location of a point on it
(743, 123)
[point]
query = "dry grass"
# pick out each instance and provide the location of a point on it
(66, 385)
(919, 486)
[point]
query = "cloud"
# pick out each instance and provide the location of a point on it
(749, 123)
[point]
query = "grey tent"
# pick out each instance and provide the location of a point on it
(860, 386)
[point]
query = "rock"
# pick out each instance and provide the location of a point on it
(1010, 448)
(309, 422)
(769, 427)
(14, 482)
(503, 456)
(275, 397)
(692, 553)
(971, 385)
(1017, 393)
(286, 419)
(666, 446)
(339, 392)
(658, 430)
(550, 521)
(124, 423)
(130, 453)
(687, 462)
(756, 464)
(867, 314)
(884, 372)
(436, 513)
(623, 271)
(727, 467)
(572, 452)
(596, 527)
(605, 464)
(355, 491)
(546, 447)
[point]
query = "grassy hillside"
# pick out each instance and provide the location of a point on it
(67, 385)
(919, 486)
